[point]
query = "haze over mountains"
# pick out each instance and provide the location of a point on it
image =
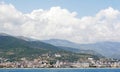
(108, 49)
(17, 47)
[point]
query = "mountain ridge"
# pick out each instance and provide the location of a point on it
(15, 48)
(112, 48)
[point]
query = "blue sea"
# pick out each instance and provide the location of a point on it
(59, 70)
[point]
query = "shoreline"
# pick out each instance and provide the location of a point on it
(58, 68)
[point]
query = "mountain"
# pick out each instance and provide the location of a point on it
(4, 34)
(10, 42)
(26, 38)
(81, 51)
(60, 42)
(108, 49)
(71, 46)
(15, 48)
(11, 47)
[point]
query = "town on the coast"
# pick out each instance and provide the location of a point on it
(45, 61)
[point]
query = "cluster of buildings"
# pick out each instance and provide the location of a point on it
(101, 63)
(45, 62)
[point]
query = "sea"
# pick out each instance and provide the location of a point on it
(61, 70)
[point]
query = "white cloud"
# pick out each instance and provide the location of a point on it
(62, 24)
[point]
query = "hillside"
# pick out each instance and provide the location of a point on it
(15, 48)
(112, 48)
(81, 51)
(71, 46)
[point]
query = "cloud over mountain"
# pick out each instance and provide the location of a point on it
(61, 23)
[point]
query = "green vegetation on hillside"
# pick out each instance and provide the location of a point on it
(14, 48)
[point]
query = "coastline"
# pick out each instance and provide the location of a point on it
(59, 68)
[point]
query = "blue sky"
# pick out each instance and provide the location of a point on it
(82, 7)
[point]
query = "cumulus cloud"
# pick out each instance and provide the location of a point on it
(61, 24)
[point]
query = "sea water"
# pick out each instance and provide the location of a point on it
(60, 70)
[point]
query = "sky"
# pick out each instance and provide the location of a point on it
(82, 7)
(81, 21)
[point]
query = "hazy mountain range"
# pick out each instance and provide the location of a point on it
(17, 47)
(108, 49)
